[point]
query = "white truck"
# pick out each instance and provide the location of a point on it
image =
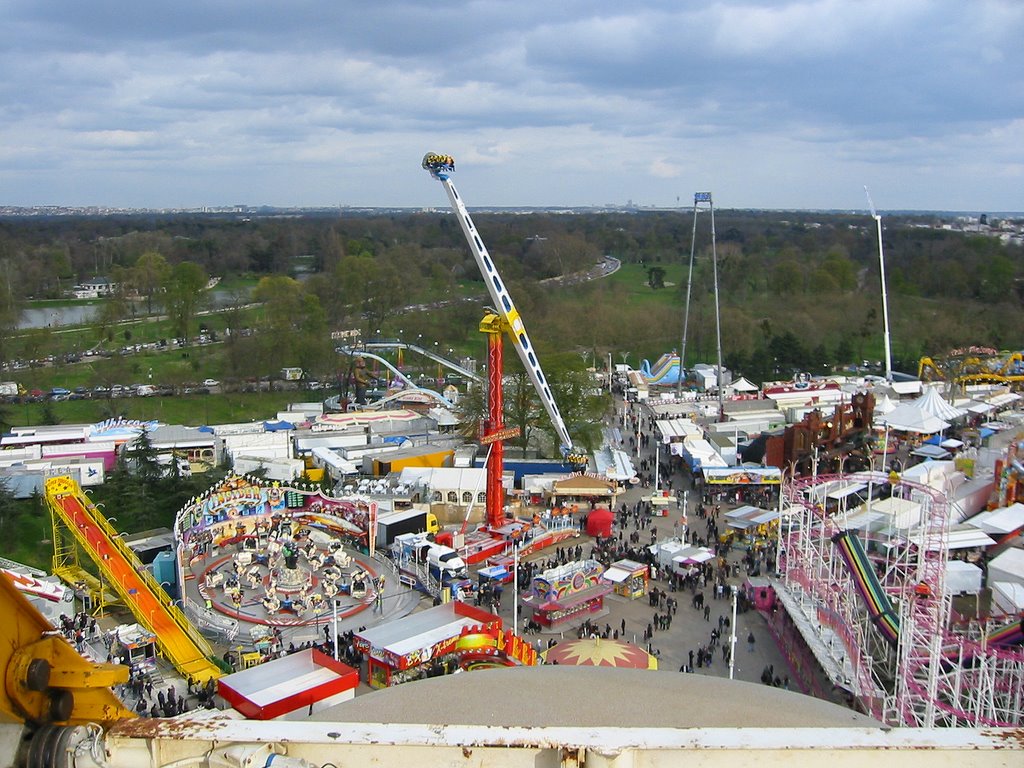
(428, 564)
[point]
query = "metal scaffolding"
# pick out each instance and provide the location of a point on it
(880, 617)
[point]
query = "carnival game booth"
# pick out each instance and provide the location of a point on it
(583, 488)
(138, 646)
(289, 688)
(749, 525)
(567, 592)
(400, 650)
(757, 486)
(628, 578)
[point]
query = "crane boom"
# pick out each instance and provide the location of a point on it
(441, 167)
(881, 272)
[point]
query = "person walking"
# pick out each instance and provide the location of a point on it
(750, 643)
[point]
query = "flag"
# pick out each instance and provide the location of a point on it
(702, 197)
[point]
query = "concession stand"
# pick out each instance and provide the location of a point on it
(138, 646)
(662, 504)
(628, 578)
(409, 648)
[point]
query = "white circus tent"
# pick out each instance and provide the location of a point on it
(884, 405)
(910, 418)
(931, 402)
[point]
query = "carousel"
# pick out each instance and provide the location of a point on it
(599, 652)
(275, 556)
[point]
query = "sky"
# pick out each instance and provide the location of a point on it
(765, 103)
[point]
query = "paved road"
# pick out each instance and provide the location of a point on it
(689, 630)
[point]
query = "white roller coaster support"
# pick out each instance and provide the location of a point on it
(504, 306)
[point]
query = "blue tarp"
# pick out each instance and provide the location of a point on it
(277, 426)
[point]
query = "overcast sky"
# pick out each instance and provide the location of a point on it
(767, 103)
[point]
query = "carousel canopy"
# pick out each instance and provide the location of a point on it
(599, 652)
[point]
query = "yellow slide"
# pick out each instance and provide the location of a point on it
(178, 640)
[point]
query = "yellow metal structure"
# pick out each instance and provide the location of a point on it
(68, 567)
(978, 366)
(45, 679)
(178, 640)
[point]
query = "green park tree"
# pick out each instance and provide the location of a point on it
(184, 295)
(149, 276)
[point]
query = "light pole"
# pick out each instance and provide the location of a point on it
(686, 515)
(515, 586)
(334, 606)
(732, 637)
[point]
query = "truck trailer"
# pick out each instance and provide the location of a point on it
(393, 524)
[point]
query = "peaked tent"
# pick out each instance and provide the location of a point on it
(931, 402)
(884, 405)
(743, 385)
(909, 418)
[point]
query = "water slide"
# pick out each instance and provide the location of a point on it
(884, 614)
(665, 371)
(178, 640)
(880, 608)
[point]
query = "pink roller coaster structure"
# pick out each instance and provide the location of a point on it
(869, 593)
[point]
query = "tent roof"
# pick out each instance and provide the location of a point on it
(1010, 561)
(931, 402)
(967, 537)
(930, 452)
(884, 405)
(1012, 593)
(743, 385)
(1000, 521)
(911, 418)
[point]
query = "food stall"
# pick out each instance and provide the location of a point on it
(411, 647)
(628, 578)
(689, 558)
(662, 504)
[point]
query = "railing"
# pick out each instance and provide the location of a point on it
(224, 627)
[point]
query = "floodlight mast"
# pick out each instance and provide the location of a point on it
(885, 301)
(441, 167)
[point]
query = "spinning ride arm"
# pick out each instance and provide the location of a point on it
(441, 167)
